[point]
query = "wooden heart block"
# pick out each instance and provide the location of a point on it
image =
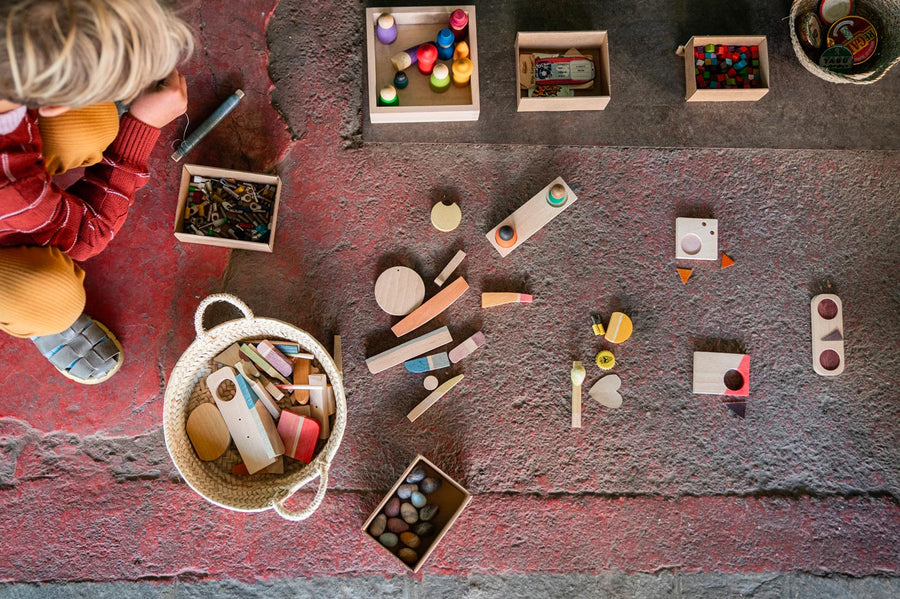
(606, 391)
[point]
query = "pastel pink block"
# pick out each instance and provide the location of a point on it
(278, 360)
(300, 435)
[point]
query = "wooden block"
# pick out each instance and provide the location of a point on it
(274, 391)
(696, 239)
(619, 329)
(446, 217)
(399, 290)
(208, 432)
(246, 368)
(606, 391)
(301, 410)
(410, 349)
(276, 467)
(317, 404)
(722, 374)
(577, 375)
(827, 326)
(726, 260)
(466, 347)
(330, 404)
(230, 357)
(491, 299)
(531, 217)
(685, 274)
(434, 306)
(301, 377)
(258, 361)
(451, 266)
(267, 400)
(300, 436)
(244, 421)
(428, 363)
(275, 358)
(433, 397)
(338, 358)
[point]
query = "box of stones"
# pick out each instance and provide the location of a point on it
(723, 68)
(416, 513)
(227, 208)
(417, 100)
(593, 45)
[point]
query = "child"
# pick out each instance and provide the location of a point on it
(61, 64)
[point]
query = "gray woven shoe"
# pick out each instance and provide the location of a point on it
(87, 352)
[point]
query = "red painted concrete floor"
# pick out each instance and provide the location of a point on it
(808, 482)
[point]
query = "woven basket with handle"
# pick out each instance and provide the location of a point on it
(883, 14)
(186, 389)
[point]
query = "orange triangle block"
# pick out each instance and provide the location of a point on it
(726, 261)
(685, 274)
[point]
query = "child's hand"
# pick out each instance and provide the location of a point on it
(163, 103)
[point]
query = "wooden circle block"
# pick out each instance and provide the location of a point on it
(207, 431)
(619, 328)
(446, 217)
(431, 382)
(399, 290)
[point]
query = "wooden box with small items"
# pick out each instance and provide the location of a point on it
(562, 70)
(227, 208)
(416, 513)
(422, 64)
(726, 68)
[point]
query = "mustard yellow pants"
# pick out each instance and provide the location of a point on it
(41, 288)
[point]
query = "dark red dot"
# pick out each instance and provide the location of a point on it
(734, 380)
(829, 359)
(828, 309)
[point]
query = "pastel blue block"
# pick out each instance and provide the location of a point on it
(427, 363)
(249, 396)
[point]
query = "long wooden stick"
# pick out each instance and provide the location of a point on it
(433, 397)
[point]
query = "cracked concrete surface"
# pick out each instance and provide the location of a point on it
(668, 497)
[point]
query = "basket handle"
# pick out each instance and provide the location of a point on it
(212, 299)
(306, 512)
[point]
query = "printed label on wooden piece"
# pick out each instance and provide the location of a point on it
(451, 266)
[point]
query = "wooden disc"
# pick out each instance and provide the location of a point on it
(207, 431)
(446, 217)
(431, 382)
(399, 290)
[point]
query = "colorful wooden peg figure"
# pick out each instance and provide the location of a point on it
(404, 60)
(444, 44)
(386, 29)
(556, 197)
(506, 236)
(440, 78)
(462, 71)
(459, 23)
(388, 96)
(426, 56)
(401, 80)
(577, 375)
(461, 51)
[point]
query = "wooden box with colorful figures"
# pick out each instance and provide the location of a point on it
(726, 68)
(422, 64)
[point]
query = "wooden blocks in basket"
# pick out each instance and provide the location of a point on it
(247, 404)
(416, 513)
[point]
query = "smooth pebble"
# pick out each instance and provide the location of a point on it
(417, 474)
(397, 525)
(392, 508)
(428, 512)
(417, 499)
(423, 529)
(408, 555)
(388, 539)
(430, 485)
(409, 513)
(404, 491)
(378, 525)
(410, 539)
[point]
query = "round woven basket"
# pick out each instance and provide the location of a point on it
(186, 389)
(883, 14)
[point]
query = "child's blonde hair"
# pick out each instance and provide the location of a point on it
(81, 52)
